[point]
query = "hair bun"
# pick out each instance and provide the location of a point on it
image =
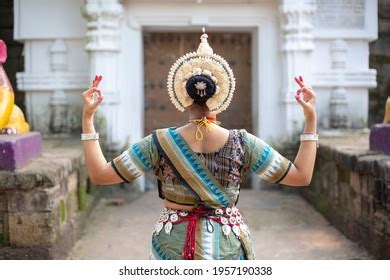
(200, 88)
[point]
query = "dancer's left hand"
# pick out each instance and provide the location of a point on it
(90, 104)
(306, 97)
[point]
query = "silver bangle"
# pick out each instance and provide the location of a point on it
(309, 137)
(89, 136)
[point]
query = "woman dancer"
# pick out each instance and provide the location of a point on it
(200, 165)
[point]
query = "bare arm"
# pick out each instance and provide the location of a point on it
(99, 170)
(301, 172)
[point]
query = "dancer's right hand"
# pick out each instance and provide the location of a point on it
(308, 98)
(90, 105)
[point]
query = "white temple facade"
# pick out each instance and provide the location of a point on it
(67, 42)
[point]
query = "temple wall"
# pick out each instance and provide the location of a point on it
(342, 75)
(45, 204)
(351, 188)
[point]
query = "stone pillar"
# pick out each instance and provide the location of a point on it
(103, 46)
(58, 101)
(338, 103)
(296, 23)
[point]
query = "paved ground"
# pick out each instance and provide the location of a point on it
(283, 226)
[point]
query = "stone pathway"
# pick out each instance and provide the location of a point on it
(283, 226)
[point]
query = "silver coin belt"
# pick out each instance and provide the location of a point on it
(229, 217)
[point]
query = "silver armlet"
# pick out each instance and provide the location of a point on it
(89, 136)
(309, 137)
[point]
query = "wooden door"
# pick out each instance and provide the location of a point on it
(163, 49)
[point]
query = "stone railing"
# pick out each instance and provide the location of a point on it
(351, 187)
(44, 204)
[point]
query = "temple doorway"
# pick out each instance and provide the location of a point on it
(162, 49)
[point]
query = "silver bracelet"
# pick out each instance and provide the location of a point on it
(89, 136)
(306, 136)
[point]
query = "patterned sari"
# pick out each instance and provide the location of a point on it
(215, 229)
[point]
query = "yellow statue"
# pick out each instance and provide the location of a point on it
(12, 120)
(387, 111)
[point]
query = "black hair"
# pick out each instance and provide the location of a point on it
(200, 96)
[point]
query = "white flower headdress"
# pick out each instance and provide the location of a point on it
(202, 62)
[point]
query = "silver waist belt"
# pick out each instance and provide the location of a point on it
(229, 217)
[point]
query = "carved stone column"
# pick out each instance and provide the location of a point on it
(296, 23)
(58, 101)
(103, 26)
(338, 103)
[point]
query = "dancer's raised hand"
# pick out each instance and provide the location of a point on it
(90, 104)
(306, 97)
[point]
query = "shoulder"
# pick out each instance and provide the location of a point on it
(242, 133)
(237, 134)
(144, 151)
(252, 141)
(143, 145)
(144, 141)
(163, 130)
(161, 133)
